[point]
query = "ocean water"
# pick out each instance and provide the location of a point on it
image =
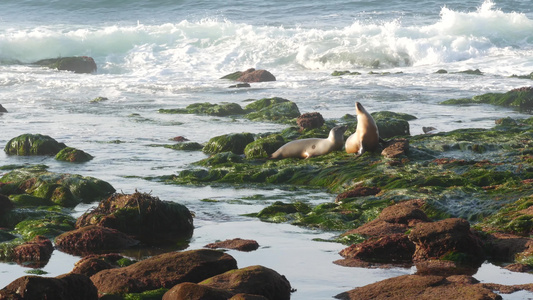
(168, 54)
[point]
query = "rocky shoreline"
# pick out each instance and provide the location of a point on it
(443, 202)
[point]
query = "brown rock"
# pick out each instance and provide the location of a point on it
(91, 239)
(310, 120)
(523, 268)
(142, 216)
(93, 264)
(395, 248)
(359, 191)
(508, 289)
(236, 244)
(248, 297)
(435, 240)
(421, 287)
(256, 280)
(253, 75)
(180, 139)
(396, 148)
(64, 287)
(35, 253)
(377, 228)
(165, 270)
(505, 246)
(443, 268)
(404, 212)
(194, 291)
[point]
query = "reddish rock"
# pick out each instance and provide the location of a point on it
(396, 148)
(142, 216)
(92, 264)
(421, 287)
(248, 297)
(443, 268)
(523, 268)
(35, 253)
(508, 289)
(236, 244)
(64, 287)
(180, 139)
(310, 120)
(256, 280)
(437, 240)
(359, 191)
(194, 291)
(395, 248)
(253, 75)
(164, 271)
(92, 239)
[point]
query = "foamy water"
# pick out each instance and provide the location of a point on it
(168, 54)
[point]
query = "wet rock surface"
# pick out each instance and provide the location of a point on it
(93, 239)
(236, 244)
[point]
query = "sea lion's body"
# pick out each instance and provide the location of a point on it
(366, 136)
(305, 148)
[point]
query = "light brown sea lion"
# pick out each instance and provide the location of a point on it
(366, 136)
(305, 148)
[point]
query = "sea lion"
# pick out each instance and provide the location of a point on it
(310, 147)
(366, 136)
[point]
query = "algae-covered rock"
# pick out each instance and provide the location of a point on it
(48, 225)
(393, 115)
(234, 142)
(264, 147)
(340, 73)
(520, 98)
(164, 271)
(22, 200)
(272, 109)
(73, 155)
(391, 127)
(142, 216)
(76, 64)
(33, 144)
(220, 110)
(251, 75)
(186, 146)
(63, 189)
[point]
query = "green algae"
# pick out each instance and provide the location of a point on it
(22, 200)
(272, 109)
(206, 108)
(514, 218)
(50, 226)
(33, 144)
(521, 98)
(235, 142)
(264, 147)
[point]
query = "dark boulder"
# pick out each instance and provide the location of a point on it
(165, 270)
(251, 75)
(73, 155)
(64, 287)
(310, 120)
(234, 142)
(394, 248)
(2, 109)
(35, 253)
(92, 264)
(76, 64)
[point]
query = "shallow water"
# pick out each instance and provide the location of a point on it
(169, 54)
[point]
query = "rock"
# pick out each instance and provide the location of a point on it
(471, 72)
(235, 142)
(2, 109)
(194, 291)
(240, 85)
(242, 296)
(421, 287)
(256, 280)
(186, 146)
(523, 268)
(99, 99)
(506, 247)
(220, 110)
(33, 144)
(310, 120)
(64, 287)
(429, 130)
(236, 244)
(394, 248)
(73, 155)
(359, 191)
(76, 64)
(396, 148)
(142, 216)
(272, 109)
(443, 268)
(24, 200)
(264, 147)
(5, 204)
(448, 239)
(180, 139)
(392, 115)
(93, 239)
(251, 75)
(92, 264)
(35, 253)
(165, 270)
(340, 73)
(391, 127)
(441, 71)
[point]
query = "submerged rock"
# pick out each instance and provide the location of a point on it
(220, 110)
(76, 64)
(520, 98)
(251, 75)
(33, 144)
(237, 244)
(63, 287)
(165, 270)
(73, 155)
(142, 216)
